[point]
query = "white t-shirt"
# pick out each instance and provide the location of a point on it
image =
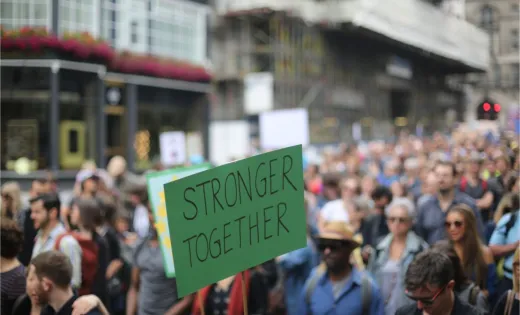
(334, 211)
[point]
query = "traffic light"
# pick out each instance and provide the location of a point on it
(488, 110)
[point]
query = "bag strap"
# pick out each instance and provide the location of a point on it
(473, 294)
(58, 240)
(484, 185)
(509, 302)
(366, 294)
(463, 184)
(313, 282)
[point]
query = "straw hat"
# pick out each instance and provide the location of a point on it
(338, 230)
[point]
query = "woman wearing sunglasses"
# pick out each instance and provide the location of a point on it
(477, 260)
(395, 252)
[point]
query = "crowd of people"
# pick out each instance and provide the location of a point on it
(418, 226)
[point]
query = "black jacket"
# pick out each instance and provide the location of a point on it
(29, 234)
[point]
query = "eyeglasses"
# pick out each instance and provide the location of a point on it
(6, 196)
(397, 219)
(333, 245)
(457, 224)
(426, 301)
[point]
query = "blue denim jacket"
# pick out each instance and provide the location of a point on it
(349, 301)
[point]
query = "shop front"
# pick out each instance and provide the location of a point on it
(58, 114)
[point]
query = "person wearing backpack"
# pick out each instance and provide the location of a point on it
(336, 286)
(503, 243)
(45, 213)
(94, 260)
(473, 185)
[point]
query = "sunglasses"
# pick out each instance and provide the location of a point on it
(397, 219)
(332, 245)
(457, 224)
(426, 301)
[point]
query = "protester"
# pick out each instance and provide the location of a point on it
(375, 225)
(509, 302)
(389, 261)
(45, 212)
(338, 210)
(12, 271)
(85, 213)
(477, 188)
(503, 243)
(27, 224)
(336, 286)
(477, 259)
(431, 214)
(151, 292)
(465, 289)
(11, 202)
(50, 275)
(430, 282)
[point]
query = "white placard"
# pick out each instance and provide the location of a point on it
(194, 145)
(258, 93)
(357, 133)
(283, 128)
(229, 140)
(173, 148)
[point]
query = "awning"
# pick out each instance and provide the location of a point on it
(101, 70)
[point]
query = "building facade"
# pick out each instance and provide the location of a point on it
(62, 104)
(378, 64)
(501, 83)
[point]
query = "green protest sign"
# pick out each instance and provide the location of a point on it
(155, 182)
(236, 216)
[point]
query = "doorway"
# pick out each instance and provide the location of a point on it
(115, 137)
(399, 109)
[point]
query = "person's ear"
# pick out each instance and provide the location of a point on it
(46, 284)
(451, 284)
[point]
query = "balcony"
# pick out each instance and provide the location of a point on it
(412, 22)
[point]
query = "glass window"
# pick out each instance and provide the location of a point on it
(515, 70)
(6, 10)
(24, 117)
(487, 18)
(134, 35)
(497, 75)
(78, 99)
(514, 39)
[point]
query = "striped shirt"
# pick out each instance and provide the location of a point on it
(13, 285)
(68, 245)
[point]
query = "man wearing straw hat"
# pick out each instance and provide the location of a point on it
(337, 287)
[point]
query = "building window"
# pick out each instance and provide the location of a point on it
(16, 13)
(515, 8)
(178, 30)
(497, 75)
(79, 16)
(25, 117)
(514, 39)
(515, 74)
(133, 33)
(487, 17)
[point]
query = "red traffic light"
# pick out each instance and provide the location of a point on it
(497, 108)
(487, 107)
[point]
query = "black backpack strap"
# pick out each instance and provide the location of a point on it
(366, 294)
(473, 294)
(510, 223)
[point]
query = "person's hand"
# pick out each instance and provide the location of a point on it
(366, 252)
(85, 304)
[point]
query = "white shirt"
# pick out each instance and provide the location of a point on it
(68, 245)
(334, 211)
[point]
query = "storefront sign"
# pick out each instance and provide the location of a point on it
(155, 182)
(236, 216)
(399, 67)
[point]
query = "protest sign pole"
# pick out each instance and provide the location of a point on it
(244, 292)
(201, 303)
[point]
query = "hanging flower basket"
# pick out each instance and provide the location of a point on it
(37, 42)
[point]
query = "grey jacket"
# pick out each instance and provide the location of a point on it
(414, 245)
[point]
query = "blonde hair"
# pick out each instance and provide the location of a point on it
(506, 203)
(12, 189)
(516, 277)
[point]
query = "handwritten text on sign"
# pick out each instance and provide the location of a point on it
(234, 217)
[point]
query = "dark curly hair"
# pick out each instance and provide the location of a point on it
(11, 240)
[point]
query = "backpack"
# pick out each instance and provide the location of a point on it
(366, 290)
(474, 292)
(464, 184)
(89, 261)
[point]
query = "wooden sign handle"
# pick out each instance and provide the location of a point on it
(244, 292)
(201, 303)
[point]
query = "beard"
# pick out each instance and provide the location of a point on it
(445, 191)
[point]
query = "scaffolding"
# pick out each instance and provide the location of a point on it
(269, 41)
